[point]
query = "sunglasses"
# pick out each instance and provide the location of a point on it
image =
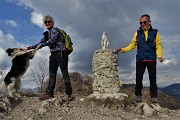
(143, 22)
(47, 22)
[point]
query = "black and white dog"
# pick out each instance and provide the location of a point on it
(20, 63)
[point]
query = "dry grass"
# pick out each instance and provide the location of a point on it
(81, 85)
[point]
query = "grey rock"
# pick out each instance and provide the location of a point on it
(105, 85)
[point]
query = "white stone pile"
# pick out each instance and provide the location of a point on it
(105, 85)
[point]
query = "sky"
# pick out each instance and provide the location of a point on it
(85, 20)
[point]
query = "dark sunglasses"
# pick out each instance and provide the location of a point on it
(47, 22)
(143, 22)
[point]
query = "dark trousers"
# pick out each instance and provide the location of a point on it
(140, 69)
(58, 59)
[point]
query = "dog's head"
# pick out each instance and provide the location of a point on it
(12, 51)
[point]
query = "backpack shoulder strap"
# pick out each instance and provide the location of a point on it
(63, 32)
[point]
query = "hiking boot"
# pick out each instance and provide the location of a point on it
(68, 98)
(154, 100)
(138, 98)
(46, 96)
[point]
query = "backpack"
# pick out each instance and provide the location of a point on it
(68, 42)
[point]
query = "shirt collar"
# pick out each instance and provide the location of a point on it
(146, 29)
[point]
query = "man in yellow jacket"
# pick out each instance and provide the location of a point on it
(149, 48)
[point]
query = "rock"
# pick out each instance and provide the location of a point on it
(60, 118)
(144, 109)
(49, 102)
(46, 104)
(147, 110)
(30, 119)
(156, 107)
(178, 113)
(105, 85)
(162, 115)
(7, 103)
(42, 111)
(25, 117)
(82, 99)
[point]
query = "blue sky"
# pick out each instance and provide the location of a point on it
(21, 25)
(16, 20)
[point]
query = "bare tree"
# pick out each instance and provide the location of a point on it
(39, 76)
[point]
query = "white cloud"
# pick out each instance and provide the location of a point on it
(11, 23)
(7, 40)
(171, 61)
(36, 19)
(3, 56)
(168, 79)
(170, 42)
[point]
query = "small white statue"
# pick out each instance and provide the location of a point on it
(104, 41)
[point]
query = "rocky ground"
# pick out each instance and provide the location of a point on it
(29, 107)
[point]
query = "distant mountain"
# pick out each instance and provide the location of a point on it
(34, 90)
(172, 90)
(164, 99)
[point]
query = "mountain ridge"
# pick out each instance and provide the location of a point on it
(172, 90)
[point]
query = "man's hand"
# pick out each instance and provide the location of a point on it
(119, 50)
(160, 59)
(38, 47)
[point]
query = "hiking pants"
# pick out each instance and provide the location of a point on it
(140, 69)
(57, 59)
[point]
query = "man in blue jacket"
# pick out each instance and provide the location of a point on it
(149, 48)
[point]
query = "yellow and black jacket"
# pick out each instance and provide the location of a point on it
(148, 44)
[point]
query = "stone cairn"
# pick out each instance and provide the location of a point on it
(105, 85)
